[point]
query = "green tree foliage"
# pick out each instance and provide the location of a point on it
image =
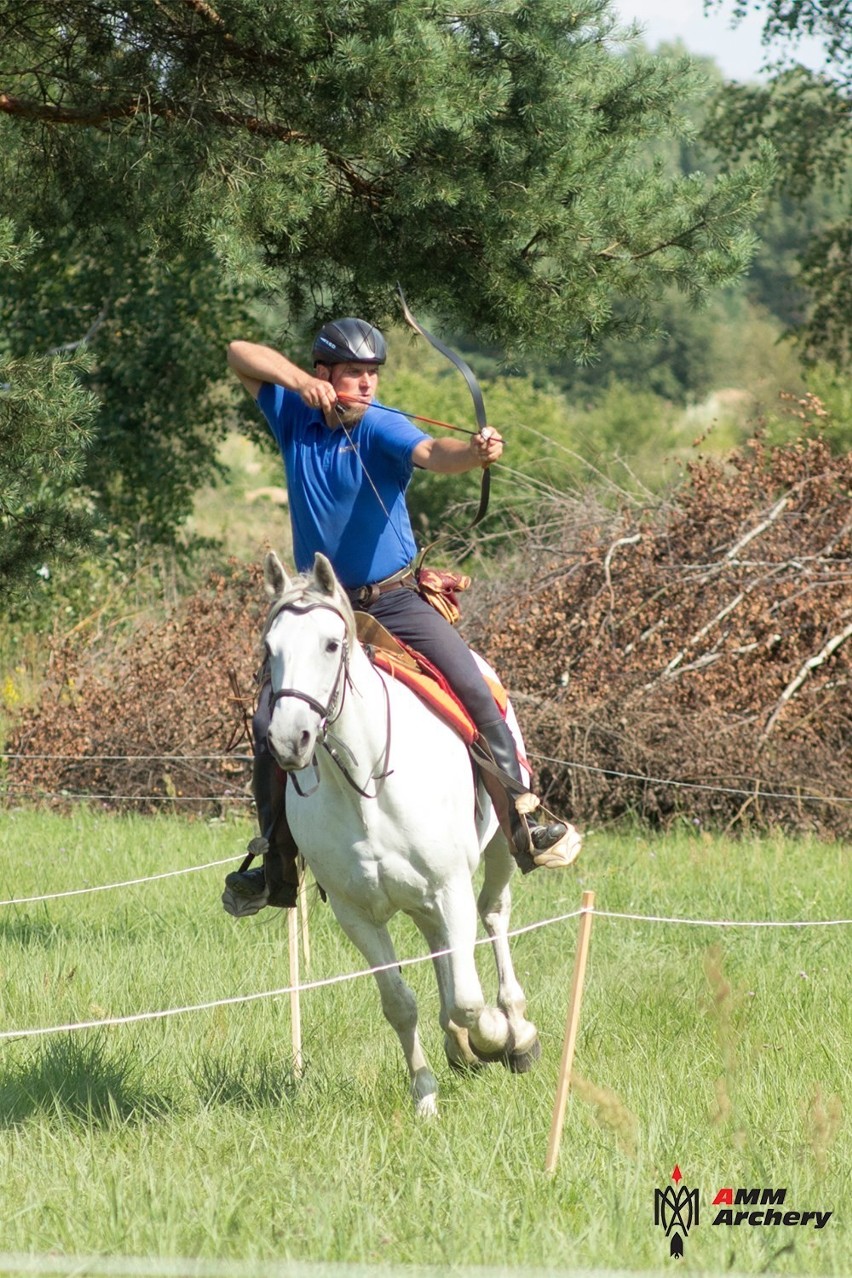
(687, 351)
(786, 20)
(170, 157)
(489, 154)
(806, 116)
(45, 421)
(155, 333)
(153, 325)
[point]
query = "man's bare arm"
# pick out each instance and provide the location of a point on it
(255, 364)
(455, 456)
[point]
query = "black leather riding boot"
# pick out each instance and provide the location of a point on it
(526, 836)
(280, 870)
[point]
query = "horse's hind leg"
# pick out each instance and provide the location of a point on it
(398, 1002)
(494, 905)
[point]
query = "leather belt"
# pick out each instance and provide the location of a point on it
(362, 596)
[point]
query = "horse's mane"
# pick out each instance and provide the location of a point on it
(304, 591)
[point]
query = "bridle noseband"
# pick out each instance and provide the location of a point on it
(331, 712)
(326, 712)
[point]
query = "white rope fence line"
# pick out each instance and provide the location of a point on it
(132, 758)
(661, 918)
(73, 1266)
(247, 758)
(345, 978)
(109, 887)
(757, 792)
(88, 797)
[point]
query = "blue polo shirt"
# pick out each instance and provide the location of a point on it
(333, 507)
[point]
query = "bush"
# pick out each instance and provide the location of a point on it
(136, 721)
(683, 662)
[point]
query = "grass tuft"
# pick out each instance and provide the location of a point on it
(78, 1079)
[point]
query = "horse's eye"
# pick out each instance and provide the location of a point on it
(332, 645)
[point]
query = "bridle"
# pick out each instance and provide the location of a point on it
(331, 712)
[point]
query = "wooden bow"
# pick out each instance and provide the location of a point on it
(473, 387)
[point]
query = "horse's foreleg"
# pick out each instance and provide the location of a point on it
(452, 927)
(495, 905)
(398, 1002)
(456, 1042)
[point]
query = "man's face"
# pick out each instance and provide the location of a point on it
(353, 382)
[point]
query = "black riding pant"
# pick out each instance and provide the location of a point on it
(415, 622)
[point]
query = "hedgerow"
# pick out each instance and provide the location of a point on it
(136, 723)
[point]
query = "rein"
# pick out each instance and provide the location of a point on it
(331, 712)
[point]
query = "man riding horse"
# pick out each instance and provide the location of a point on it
(348, 462)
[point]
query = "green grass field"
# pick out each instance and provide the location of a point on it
(726, 1051)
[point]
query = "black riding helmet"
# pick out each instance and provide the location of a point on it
(349, 341)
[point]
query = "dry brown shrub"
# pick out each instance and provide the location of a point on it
(685, 662)
(706, 642)
(166, 690)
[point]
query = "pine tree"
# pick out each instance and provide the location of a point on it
(491, 155)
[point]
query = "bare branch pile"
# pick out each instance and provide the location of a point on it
(707, 643)
(154, 709)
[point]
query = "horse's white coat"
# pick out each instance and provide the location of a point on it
(413, 847)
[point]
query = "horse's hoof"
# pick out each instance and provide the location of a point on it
(522, 1062)
(500, 1057)
(426, 1106)
(464, 1066)
(491, 1058)
(459, 1056)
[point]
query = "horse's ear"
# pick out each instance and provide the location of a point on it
(324, 575)
(274, 576)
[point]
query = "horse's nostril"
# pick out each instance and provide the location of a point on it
(304, 742)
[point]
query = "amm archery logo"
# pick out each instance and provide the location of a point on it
(676, 1209)
(762, 1207)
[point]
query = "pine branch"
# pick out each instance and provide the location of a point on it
(87, 336)
(678, 241)
(95, 116)
(207, 12)
(217, 23)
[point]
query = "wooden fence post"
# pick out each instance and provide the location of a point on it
(571, 1027)
(295, 1007)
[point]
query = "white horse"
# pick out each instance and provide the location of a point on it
(393, 824)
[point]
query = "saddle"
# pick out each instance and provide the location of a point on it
(511, 799)
(411, 668)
